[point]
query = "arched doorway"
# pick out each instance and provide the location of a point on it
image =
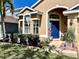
(57, 23)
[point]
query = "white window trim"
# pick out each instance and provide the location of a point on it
(36, 27)
(28, 25)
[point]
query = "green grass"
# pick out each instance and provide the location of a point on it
(12, 51)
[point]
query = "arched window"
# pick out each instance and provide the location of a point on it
(53, 16)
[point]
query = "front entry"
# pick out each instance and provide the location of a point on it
(54, 29)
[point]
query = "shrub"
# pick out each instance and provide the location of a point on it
(15, 35)
(35, 40)
(29, 36)
(22, 38)
(69, 36)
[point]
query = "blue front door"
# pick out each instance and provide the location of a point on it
(55, 29)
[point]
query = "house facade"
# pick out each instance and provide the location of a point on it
(50, 19)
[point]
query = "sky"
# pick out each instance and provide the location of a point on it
(23, 3)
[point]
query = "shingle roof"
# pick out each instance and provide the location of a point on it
(11, 19)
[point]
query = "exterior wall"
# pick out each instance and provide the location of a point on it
(78, 30)
(25, 12)
(46, 6)
(78, 34)
(63, 24)
(31, 26)
(74, 26)
(43, 26)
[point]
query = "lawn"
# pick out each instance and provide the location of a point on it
(13, 51)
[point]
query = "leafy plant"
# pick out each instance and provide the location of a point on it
(35, 37)
(69, 36)
(29, 36)
(22, 36)
(15, 35)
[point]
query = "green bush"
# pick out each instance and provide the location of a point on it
(35, 37)
(29, 36)
(69, 36)
(16, 35)
(22, 36)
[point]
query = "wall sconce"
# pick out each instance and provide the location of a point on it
(78, 20)
(71, 22)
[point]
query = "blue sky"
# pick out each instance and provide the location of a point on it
(22, 3)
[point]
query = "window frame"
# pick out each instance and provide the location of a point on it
(27, 24)
(36, 27)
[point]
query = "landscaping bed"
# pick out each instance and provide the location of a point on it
(16, 51)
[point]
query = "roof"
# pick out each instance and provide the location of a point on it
(27, 8)
(70, 12)
(35, 4)
(74, 9)
(11, 19)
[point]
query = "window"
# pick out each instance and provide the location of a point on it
(27, 23)
(54, 16)
(20, 17)
(36, 27)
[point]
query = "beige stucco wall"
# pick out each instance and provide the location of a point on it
(46, 6)
(26, 11)
(78, 34)
(75, 26)
(43, 26)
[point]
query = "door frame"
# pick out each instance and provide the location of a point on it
(59, 29)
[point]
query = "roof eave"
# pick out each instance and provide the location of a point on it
(36, 3)
(70, 12)
(27, 8)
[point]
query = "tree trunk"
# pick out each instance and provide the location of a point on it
(3, 26)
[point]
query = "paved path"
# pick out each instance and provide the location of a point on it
(70, 53)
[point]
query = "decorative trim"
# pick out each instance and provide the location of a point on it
(27, 8)
(43, 36)
(74, 6)
(57, 6)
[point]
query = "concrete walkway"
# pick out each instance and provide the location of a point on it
(70, 53)
(67, 52)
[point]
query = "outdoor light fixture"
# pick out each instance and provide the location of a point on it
(71, 22)
(78, 19)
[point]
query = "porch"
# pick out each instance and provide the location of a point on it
(57, 23)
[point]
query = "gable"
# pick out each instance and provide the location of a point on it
(26, 10)
(46, 4)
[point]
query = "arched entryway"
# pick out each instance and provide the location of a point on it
(57, 23)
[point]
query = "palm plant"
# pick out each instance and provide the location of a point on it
(3, 13)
